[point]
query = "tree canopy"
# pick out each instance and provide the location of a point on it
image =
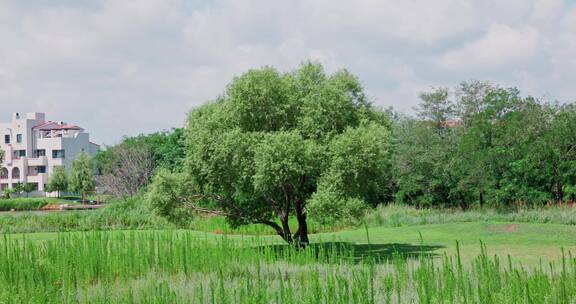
(274, 143)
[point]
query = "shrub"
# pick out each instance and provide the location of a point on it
(120, 215)
(330, 208)
(20, 204)
(129, 213)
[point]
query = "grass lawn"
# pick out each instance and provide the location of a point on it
(527, 243)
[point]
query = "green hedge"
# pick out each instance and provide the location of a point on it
(120, 215)
(20, 204)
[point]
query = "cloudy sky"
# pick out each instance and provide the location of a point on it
(124, 67)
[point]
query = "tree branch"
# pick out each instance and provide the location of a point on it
(190, 205)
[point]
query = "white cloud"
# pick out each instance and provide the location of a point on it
(501, 45)
(568, 34)
(546, 9)
(125, 67)
(419, 21)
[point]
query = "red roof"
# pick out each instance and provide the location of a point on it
(70, 127)
(50, 125)
(451, 123)
(42, 124)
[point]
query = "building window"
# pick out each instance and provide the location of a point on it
(41, 169)
(39, 153)
(7, 138)
(58, 154)
(4, 173)
(15, 172)
(19, 138)
(19, 153)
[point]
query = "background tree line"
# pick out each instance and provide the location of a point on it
(483, 144)
(307, 143)
(126, 168)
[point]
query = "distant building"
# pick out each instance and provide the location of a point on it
(33, 146)
(452, 123)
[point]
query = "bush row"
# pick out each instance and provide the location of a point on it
(132, 214)
(19, 204)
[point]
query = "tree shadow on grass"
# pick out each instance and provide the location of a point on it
(333, 252)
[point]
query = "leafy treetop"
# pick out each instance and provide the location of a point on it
(274, 142)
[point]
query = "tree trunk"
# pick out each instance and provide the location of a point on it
(301, 235)
(286, 234)
(463, 204)
(481, 199)
(279, 230)
(559, 192)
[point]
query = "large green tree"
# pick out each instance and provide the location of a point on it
(274, 140)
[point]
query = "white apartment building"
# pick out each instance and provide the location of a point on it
(33, 146)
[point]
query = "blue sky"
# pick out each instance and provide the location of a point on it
(127, 67)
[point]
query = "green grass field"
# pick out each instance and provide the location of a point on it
(398, 255)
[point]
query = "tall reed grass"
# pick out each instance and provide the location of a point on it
(188, 267)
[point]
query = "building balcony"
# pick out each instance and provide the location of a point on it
(33, 171)
(40, 161)
(40, 178)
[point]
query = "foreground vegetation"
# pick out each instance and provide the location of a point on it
(189, 267)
